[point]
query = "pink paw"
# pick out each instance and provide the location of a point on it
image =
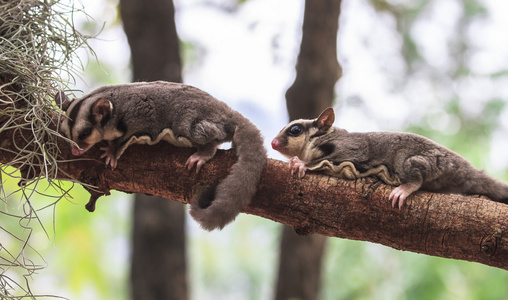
(297, 165)
(195, 159)
(398, 195)
(110, 155)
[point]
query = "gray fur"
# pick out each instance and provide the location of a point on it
(147, 112)
(418, 162)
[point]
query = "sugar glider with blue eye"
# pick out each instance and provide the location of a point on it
(418, 162)
(148, 112)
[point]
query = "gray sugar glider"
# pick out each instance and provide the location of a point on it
(418, 162)
(148, 112)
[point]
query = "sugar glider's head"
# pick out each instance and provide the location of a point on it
(296, 139)
(84, 120)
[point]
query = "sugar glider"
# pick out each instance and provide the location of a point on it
(148, 112)
(418, 162)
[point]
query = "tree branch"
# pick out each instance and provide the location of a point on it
(451, 226)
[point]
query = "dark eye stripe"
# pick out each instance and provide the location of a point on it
(85, 133)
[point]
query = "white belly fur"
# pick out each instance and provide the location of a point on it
(166, 135)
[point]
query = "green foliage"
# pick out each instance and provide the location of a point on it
(359, 270)
(472, 138)
(22, 231)
(448, 119)
(236, 263)
(88, 264)
(408, 13)
(68, 236)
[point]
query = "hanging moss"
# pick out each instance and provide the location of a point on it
(38, 44)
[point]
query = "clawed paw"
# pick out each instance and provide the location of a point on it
(397, 196)
(197, 160)
(298, 166)
(110, 155)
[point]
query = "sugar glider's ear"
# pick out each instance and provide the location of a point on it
(62, 100)
(101, 109)
(325, 119)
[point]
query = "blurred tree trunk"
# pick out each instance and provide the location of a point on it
(158, 269)
(317, 68)
(317, 72)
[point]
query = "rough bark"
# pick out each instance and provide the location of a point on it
(158, 269)
(467, 228)
(317, 72)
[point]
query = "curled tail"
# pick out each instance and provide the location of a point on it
(483, 184)
(220, 204)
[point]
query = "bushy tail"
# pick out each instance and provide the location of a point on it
(220, 204)
(483, 184)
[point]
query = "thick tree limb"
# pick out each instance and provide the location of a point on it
(452, 226)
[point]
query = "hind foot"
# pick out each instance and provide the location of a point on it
(400, 193)
(200, 158)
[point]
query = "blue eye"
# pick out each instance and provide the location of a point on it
(295, 130)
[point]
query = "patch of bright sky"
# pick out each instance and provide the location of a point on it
(364, 91)
(489, 36)
(371, 99)
(433, 31)
(241, 48)
(110, 44)
(247, 59)
(249, 56)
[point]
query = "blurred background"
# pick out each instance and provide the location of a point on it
(437, 68)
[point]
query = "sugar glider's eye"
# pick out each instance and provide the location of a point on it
(85, 133)
(295, 130)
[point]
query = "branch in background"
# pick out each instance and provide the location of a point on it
(451, 226)
(313, 90)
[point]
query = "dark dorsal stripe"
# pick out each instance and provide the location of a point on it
(73, 115)
(91, 117)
